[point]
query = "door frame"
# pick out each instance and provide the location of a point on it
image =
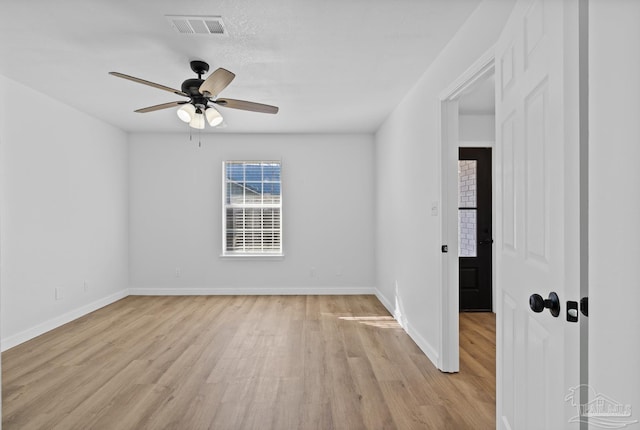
(449, 357)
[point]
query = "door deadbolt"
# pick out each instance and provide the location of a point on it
(538, 304)
(584, 306)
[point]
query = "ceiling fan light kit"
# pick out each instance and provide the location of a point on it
(213, 117)
(186, 112)
(201, 92)
(198, 120)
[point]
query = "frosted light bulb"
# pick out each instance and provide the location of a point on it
(186, 112)
(213, 117)
(197, 121)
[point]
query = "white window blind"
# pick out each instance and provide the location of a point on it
(252, 218)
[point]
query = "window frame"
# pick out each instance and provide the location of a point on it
(275, 254)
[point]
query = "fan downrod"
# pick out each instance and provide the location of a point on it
(199, 67)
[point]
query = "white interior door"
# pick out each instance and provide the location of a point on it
(538, 237)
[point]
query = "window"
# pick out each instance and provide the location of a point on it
(467, 208)
(252, 218)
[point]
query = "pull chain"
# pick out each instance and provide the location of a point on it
(199, 137)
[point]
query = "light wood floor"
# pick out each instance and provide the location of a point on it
(248, 362)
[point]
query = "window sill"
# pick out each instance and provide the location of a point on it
(252, 256)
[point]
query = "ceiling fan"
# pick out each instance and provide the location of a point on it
(201, 92)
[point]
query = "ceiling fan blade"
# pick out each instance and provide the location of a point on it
(216, 82)
(162, 106)
(245, 105)
(151, 84)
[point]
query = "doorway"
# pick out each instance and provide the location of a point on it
(475, 232)
(465, 124)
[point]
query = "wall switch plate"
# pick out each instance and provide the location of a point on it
(58, 293)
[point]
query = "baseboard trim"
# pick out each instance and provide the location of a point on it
(385, 302)
(426, 347)
(250, 291)
(422, 343)
(63, 319)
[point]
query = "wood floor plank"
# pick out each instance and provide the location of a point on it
(375, 412)
(200, 412)
(246, 362)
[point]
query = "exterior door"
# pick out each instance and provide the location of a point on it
(538, 242)
(475, 236)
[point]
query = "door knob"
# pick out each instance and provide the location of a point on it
(538, 304)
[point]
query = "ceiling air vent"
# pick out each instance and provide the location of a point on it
(197, 24)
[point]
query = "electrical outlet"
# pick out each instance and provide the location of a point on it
(58, 293)
(312, 272)
(178, 272)
(85, 286)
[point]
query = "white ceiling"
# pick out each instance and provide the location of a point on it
(330, 65)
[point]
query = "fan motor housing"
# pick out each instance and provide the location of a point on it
(191, 86)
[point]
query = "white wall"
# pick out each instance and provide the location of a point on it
(63, 212)
(175, 214)
(614, 200)
(477, 128)
(408, 170)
